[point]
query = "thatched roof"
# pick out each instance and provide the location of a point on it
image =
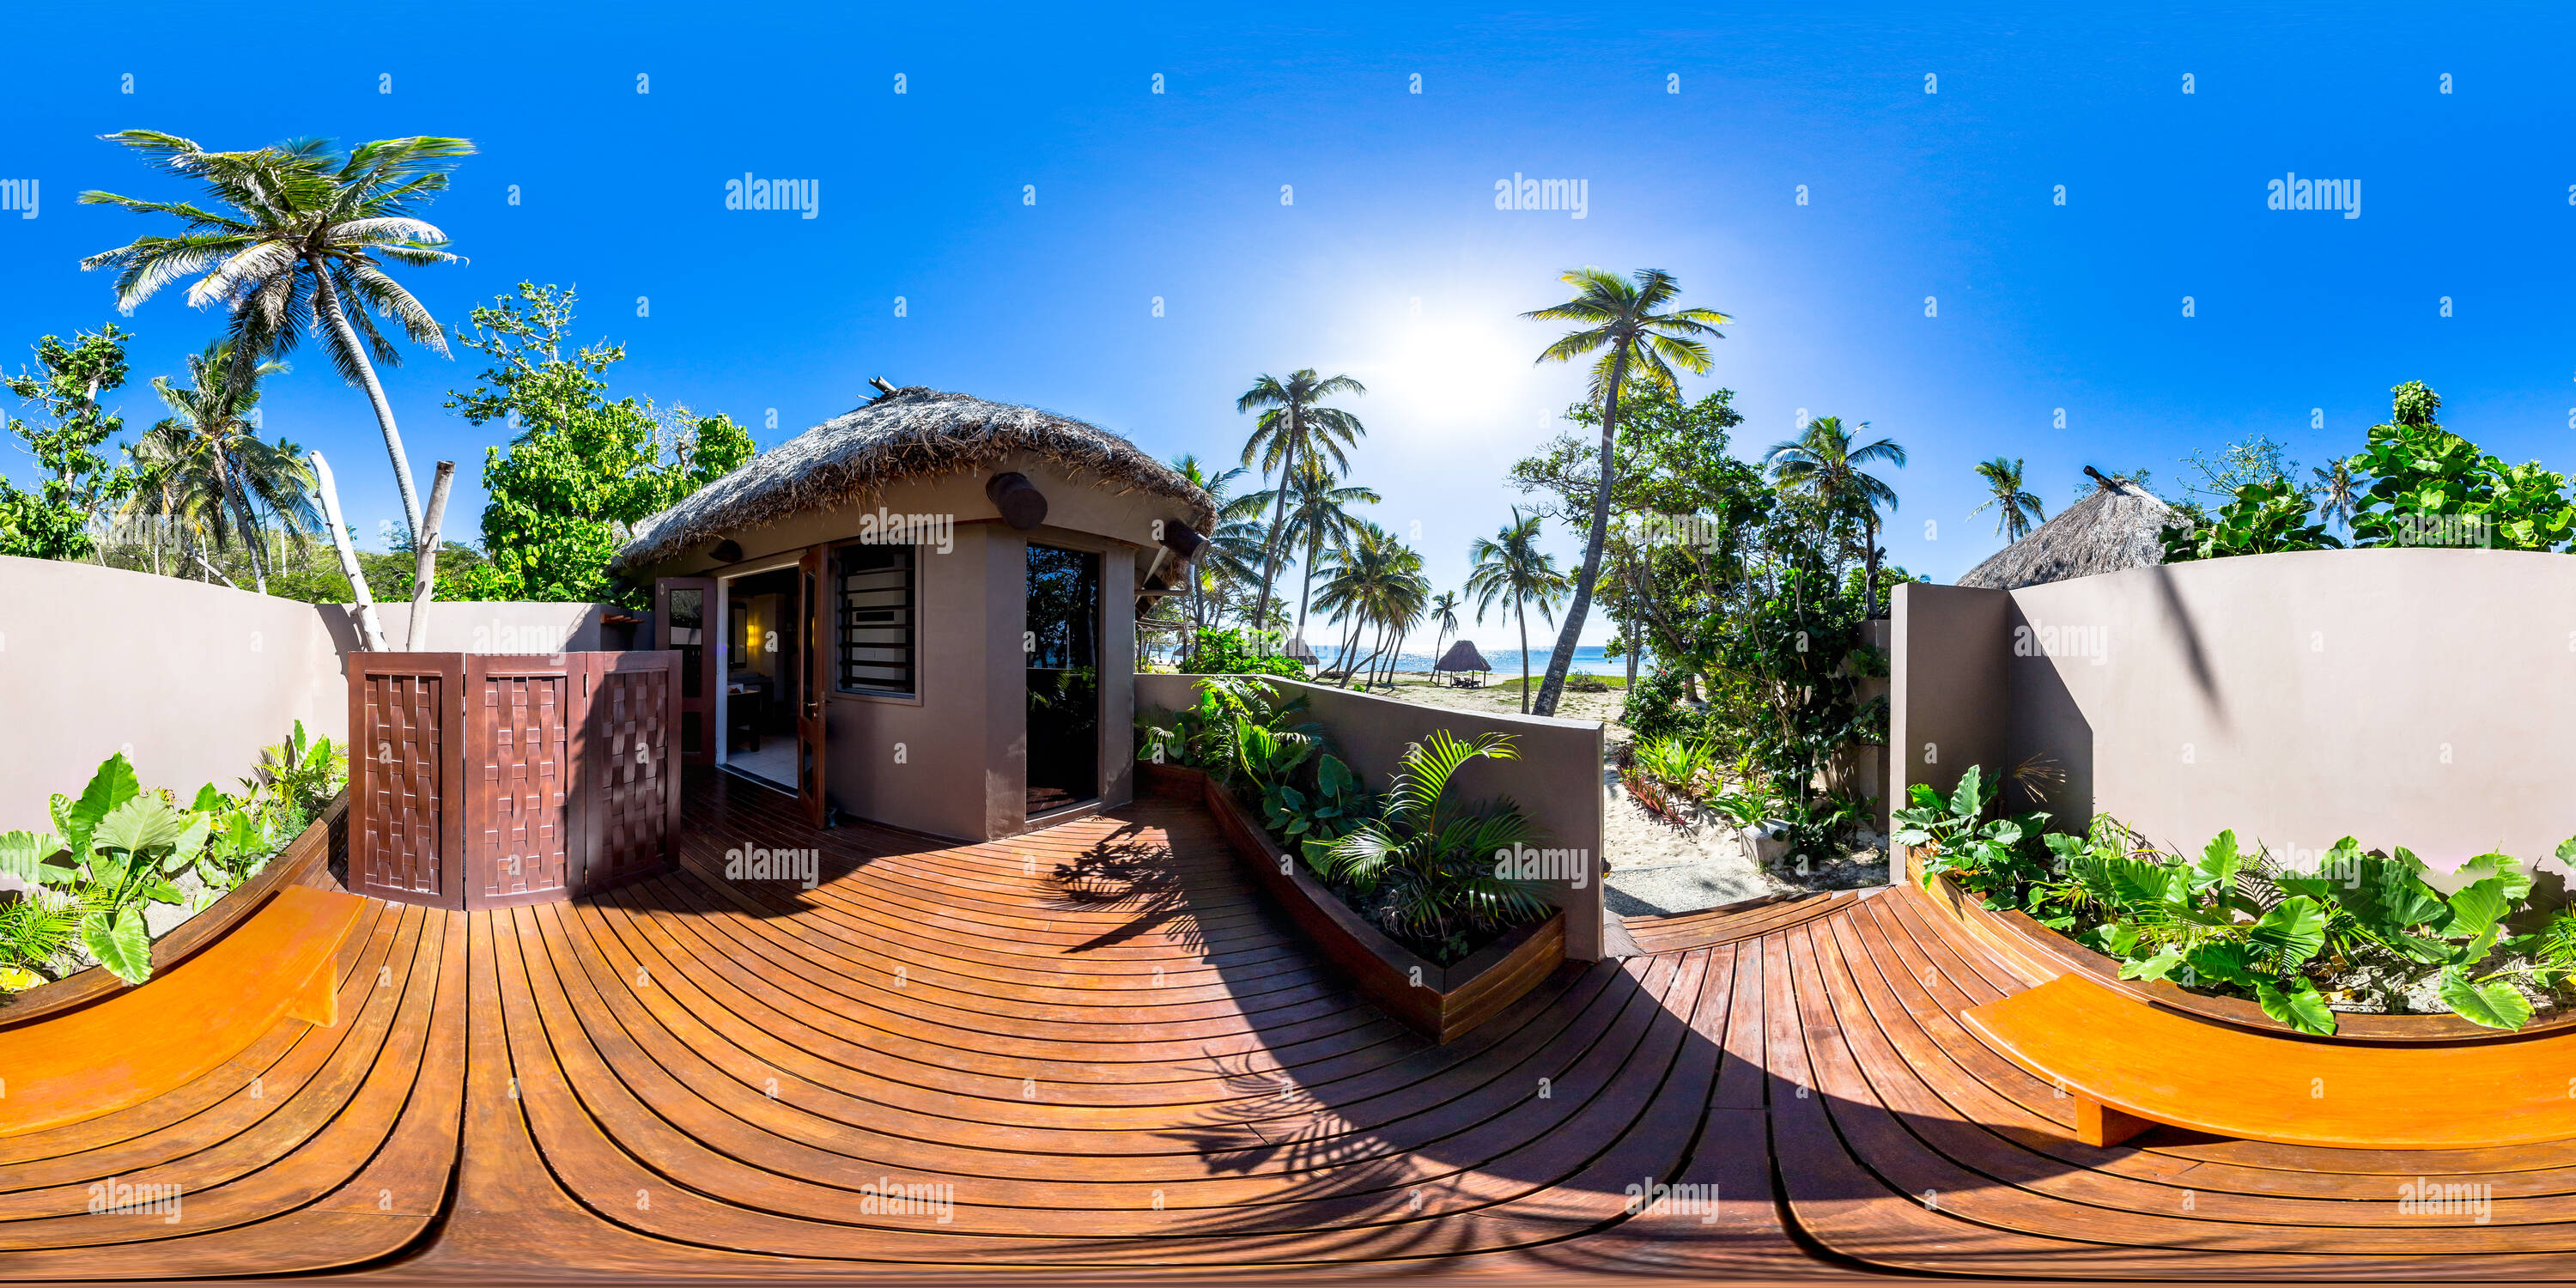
(906, 434)
(2114, 528)
(1462, 656)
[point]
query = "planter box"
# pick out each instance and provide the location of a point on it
(1438, 1002)
(305, 857)
(2036, 950)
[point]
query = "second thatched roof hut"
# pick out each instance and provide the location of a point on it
(1462, 656)
(2114, 528)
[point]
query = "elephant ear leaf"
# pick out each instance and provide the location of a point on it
(2493, 1004)
(1968, 800)
(2505, 869)
(141, 823)
(2477, 907)
(121, 945)
(2156, 967)
(2301, 1007)
(2216, 869)
(112, 786)
(2291, 932)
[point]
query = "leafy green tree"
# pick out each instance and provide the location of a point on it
(1318, 517)
(2431, 486)
(2338, 488)
(298, 244)
(53, 521)
(1232, 557)
(2260, 459)
(1374, 581)
(1826, 463)
(1619, 320)
(1295, 433)
(2264, 518)
(205, 470)
(583, 470)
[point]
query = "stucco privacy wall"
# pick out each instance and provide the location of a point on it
(191, 680)
(1556, 781)
(2404, 697)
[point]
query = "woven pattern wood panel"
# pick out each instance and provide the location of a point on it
(629, 768)
(516, 814)
(402, 773)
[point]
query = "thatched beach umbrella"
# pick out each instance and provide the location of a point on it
(1461, 659)
(2115, 527)
(908, 433)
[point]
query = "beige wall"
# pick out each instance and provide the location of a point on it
(1556, 781)
(2405, 697)
(191, 680)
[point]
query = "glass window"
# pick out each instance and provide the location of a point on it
(879, 611)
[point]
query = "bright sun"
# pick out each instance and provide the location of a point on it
(1454, 371)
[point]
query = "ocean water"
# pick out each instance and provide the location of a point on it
(1506, 661)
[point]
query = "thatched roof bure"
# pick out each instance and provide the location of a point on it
(1462, 656)
(911, 433)
(2114, 528)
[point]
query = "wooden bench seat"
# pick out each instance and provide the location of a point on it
(2129, 1066)
(182, 1023)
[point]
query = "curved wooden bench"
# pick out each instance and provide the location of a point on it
(2129, 1066)
(182, 1024)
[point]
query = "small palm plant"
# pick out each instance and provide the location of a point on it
(1433, 861)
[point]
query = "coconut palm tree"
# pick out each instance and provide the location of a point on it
(1444, 614)
(2018, 510)
(1824, 463)
(295, 243)
(246, 483)
(1374, 582)
(2338, 490)
(1508, 567)
(1318, 517)
(1295, 431)
(1619, 320)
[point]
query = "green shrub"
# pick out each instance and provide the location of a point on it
(1431, 865)
(1236, 652)
(1655, 707)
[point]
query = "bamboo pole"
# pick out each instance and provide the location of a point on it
(370, 630)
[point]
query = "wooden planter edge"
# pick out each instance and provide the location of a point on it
(1438, 1002)
(309, 853)
(2043, 951)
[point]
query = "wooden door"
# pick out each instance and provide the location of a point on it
(811, 583)
(406, 788)
(685, 621)
(628, 805)
(521, 714)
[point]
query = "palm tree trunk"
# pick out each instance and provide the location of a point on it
(327, 303)
(1523, 613)
(1270, 540)
(1314, 548)
(1869, 583)
(1561, 661)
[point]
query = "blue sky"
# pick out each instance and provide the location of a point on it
(1392, 263)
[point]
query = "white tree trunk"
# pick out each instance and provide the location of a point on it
(370, 630)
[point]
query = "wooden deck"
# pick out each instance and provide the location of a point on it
(1093, 1047)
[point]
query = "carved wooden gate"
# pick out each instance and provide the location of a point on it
(484, 781)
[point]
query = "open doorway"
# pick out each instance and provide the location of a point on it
(764, 678)
(1064, 678)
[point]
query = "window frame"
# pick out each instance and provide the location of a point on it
(842, 627)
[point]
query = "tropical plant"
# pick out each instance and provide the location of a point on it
(1677, 762)
(1824, 462)
(1443, 611)
(1655, 706)
(1234, 651)
(53, 521)
(2017, 509)
(1231, 558)
(1249, 736)
(1294, 432)
(1963, 835)
(1510, 569)
(35, 929)
(122, 847)
(1618, 319)
(295, 242)
(298, 777)
(1429, 864)
(2265, 518)
(583, 470)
